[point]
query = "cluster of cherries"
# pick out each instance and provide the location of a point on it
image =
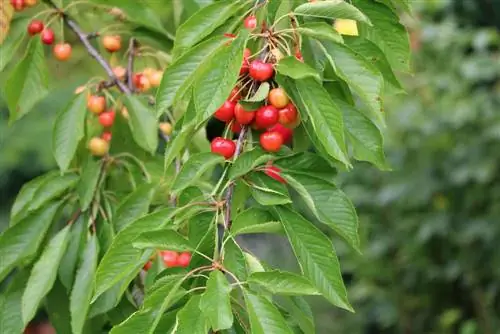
(20, 5)
(171, 259)
(99, 146)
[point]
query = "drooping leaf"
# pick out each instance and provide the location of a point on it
(162, 239)
(255, 220)
(186, 323)
(89, 179)
(332, 9)
(285, 283)
(51, 189)
(234, 260)
(320, 30)
(247, 161)
(10, 304)
(44, 274)
(78, 237)
(142, 123)
(264, 316)
(133, 207)
(295, 69)
(215, 302)
(194, 168)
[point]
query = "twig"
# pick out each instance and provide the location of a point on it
(130, 66)
(75, 216)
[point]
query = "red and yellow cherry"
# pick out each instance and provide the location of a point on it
(224, 147)
(266, 116)
(245, 65)
(285, 132)
(271, 141)
(47, 36)
(119, 72)
(169, 258)
(147, 265)
(141, 82)
(184, 259)
(289, 117)
(112, 43)
(107, 118)
(155, 78)
(298, 55)
(226, 112)
(35, 27)
(98, 146)
(17, 4)
(250, 22)
(243, 116)
(165, 128)
(30, 3)
(96, 104)
(274, 172)
(62, 51)
(278, 98)
(261, 71)
(235, 94)
(106, 135)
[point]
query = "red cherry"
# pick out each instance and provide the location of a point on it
(141, 82)
(224, 147)
(289, 116)
(226, 112)
(243, 116)
(286, 133)
(271, 141)
(35, 27)
(17, 4)
(106, 135)
(169, 258)
(261, 71)
(62, 51)
(245, 66)
(250, 22)
(147, 265)
(235, 94)
(298, 55)
(266, 117)
(235, 127)
(47, 36)
(274, 172)
(184, 259)
(107, 118)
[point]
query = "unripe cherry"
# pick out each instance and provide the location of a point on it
(98, 146)
(224, 147)
(119, 72)
(47, 36)
(35, 27)
(112, 43)
(62, 51)
(165, 128)
(141, 82)
(261, 71)
(96, 104)
(278, 98)
(30, 3)
(155, 78)
(271, 141)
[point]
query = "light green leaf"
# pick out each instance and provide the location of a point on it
(295, 69)
(189, 324)
(14, 39)
(89, 179)
(261, 93)
(44, 274)
(51, 189)
(134, 206)
(215, 302)
(78, 237)
(267, 191)
(10, 304)
(284, 283)
(316, 256)
(142, 123)
(300, 312)
(28, 82)
(332, 9)
(320, 30)
(81, 294)
(264, 317)
(69, 130)
(247, 161)
(194, 168)
(162, 239)
(255, 220)
(234, 260)
(178, 143)
(253, 264)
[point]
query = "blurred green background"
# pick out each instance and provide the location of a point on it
(431, 227)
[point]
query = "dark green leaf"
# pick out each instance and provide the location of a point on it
(234, 260)
(264, 317)
(215, 302)
(51, 189)
(162, 239)
(295, 69)
(142, 123)
(284, 283)
(89, 179)
(78, 237)
(57, 307)
(304, 162)
(255, 220)
(320, 30)
(10, 304)
(247, 161)
(332, 9)
(133, 207)
(194, 168)
(189, 324)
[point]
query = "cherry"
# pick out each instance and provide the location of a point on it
(147, 266)
(278, 98)
(107, 118)
(98, 146)
(141, 82)
(271, 141)
(155, 78)
(226, 112)
(112, 43)
(47, 36)
(62, 51)
(106, 135)
(289, 117)
(166, 128)
(266, 117)
(30, 3)
(243, 116)
(261, 71)
(235, 127)
(18, 5)
(35, 27)
(224, 147)
(235, 94)
(250, 22)
(119, 72)
(184, 259)
(245, 66)
(274, 172)
(96, 104)
(298, 55)
(169, 258)
(286, 133)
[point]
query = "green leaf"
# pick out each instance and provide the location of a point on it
(253, 264)
(332, 9)
(28, 82)
(194, 168)
(316, 256)
(177, 144)
(181, 74)
(255, 220)
(284, 283)
(295, 69)
(189, 324)
(234, 260)
(44, 274)
(218, 77)
(142, 123)
(215, 302)
(10, 304)
(22, 240)
(14, 39)
(89, 179)
(134, 206)
(57, 307)
(304, 162)
(78, 237)
(320, 30)
(202, 24)
(267, 191)
(162, 239)
(81, 293)
(264, 317)
(300, 312)
(261, 93)
(51, 189)
(69, 130)
(247, 161)
(109, 300)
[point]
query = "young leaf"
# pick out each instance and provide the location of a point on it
(316, 255)
(194, 168)
(69, 130)
(215, 302)
(28, 82)
(22, 240)
(81, 293)
(10, 304)
(51, 189)
(284, 283)
(264, 316)
(333, 9)
(247, 161)
(162, 239)
(234, 260)
(295, 69)
(320, 30)
(142, 123)
(44, 274)
(134, 206)
(89, 179)
(255, 220)
(189, 324)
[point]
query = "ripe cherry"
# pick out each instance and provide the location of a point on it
(271, 141)
(147, 265)
(47, 36)
(169, 258)
(166, 128)
(106, 135)
(184, 259)
(250, 22)
(286, 133)
(18, 5)
(266, 117)
(245, 65)
(289, 116)
(119, 72)
(235, 127)
(155, 78)
(226, 112)
(112, 43)
(224, 147)
(235, 94)
(243, 116)
(35, 27)
(278, 98)
(62, 51)
(141, 82)
(261, 71)
(98, 146)
(107, 118)
(274, 172)
(298, 55)
(96, 104)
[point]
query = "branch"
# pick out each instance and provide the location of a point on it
(130, 66)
